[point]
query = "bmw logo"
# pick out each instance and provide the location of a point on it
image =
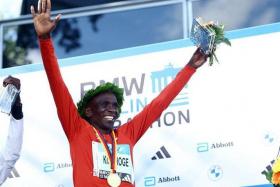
(215, 172)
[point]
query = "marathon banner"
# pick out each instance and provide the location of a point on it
(223, 129)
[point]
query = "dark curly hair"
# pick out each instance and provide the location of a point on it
(90, 94)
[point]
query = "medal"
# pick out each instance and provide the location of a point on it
(114, 180)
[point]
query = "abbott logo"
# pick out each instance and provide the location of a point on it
(49, 167)
(202, 147)
(161, 154)
(149, 181)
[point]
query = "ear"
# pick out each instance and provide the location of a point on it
(88, 112)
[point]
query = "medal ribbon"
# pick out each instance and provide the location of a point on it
(112, 157)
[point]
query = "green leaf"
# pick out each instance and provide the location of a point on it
(218, 30)
(211, 59)
(215, 57)
(219, 40)
(269, 176)
(226, 41)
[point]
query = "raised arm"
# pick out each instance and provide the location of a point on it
(142, 121)
(42, 19)
(66, 108)
(11, 151)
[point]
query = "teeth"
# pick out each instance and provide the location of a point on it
(108, 117)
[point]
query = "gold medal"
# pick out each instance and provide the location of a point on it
(114, 180)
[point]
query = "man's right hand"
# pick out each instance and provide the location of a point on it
(42, 19)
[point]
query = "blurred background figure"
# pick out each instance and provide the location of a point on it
(11, 151)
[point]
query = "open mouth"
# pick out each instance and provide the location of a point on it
(109, 118)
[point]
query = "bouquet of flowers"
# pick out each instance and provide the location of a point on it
(272, 172)
(207, 36)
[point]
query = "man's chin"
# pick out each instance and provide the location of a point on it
(109, 124)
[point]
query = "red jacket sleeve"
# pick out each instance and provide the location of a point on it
(66, 109)
(142, 121)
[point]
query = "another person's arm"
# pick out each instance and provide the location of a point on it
(11, 151)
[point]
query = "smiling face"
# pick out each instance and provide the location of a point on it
(102, 111)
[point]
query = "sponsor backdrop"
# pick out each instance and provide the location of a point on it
(223, 129)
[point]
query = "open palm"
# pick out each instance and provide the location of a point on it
(42, 19)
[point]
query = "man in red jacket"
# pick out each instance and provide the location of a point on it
(101, 155)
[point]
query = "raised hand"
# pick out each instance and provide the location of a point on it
(16, 112)
(12, 80)
(198, 59)
(42, 19)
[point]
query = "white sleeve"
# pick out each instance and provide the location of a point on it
(11, 152)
